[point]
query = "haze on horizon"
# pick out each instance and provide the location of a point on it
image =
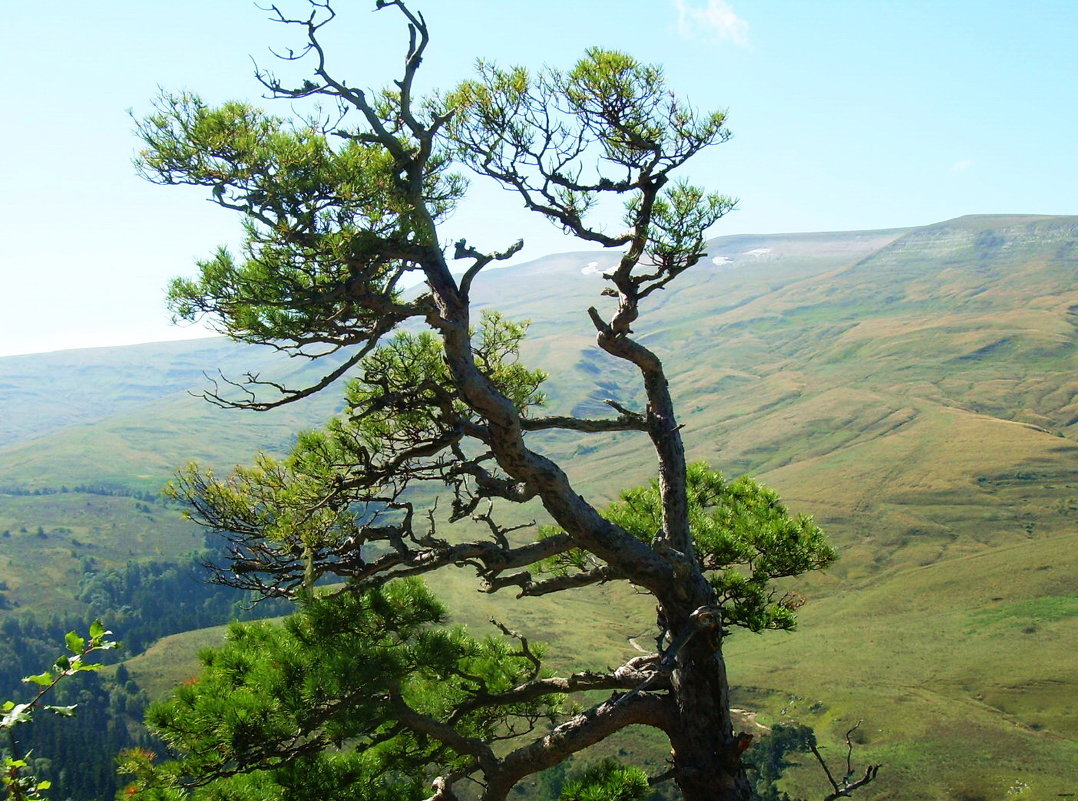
(846, 116)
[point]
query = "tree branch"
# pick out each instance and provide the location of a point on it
(846, 788)
(443, 732)
(629, 676)
(583, 424)
(574, 735)
(462, 251)
(287, 395)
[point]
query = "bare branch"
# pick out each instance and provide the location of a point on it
(593, 725)
(584, 424)
(531, 588)
(462, 251)
(846, 788)
(870, 774)
(287, 395)
(443, 732)
(627, 677)
(525, 651)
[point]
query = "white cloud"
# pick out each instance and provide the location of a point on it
(715, 19)
(964, 164)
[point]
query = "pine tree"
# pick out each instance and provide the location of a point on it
(366, 692)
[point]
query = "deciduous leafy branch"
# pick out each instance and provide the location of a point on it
(18, 781)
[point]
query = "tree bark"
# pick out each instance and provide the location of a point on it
(707, 765)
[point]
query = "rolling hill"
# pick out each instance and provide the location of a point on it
(914, 389)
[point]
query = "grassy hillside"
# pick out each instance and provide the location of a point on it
(140, 444)
(45, 392)
(963, 671)
(914, 389)
(48, 542)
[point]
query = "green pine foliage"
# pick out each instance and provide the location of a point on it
(283, 500)
(744, 540)
(318, 216)
(323, 695)
(606, 781)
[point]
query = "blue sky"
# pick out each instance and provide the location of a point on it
(846, 115)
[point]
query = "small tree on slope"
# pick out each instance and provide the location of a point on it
(366, 694)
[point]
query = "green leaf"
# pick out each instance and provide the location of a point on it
(97, 630)
(44, 785)
(63, 663)
(19, 713)
(44, 679)
(75, 643)
(63, 711)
